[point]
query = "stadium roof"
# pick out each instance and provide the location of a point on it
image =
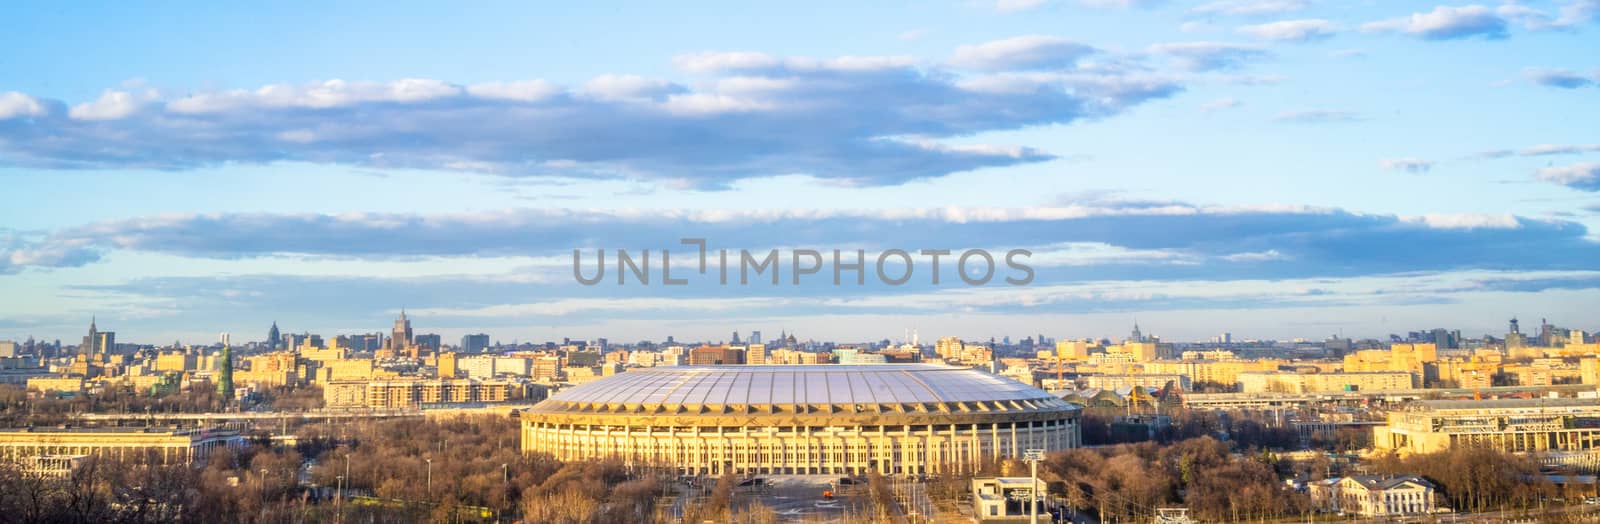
(808, 384)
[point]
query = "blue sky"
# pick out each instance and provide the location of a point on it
(1271, 168)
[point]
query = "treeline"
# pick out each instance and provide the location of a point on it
(1126, 481)
(1474, 478)
(234, 486)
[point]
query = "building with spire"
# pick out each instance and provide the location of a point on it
(273, 337)
(97, 344)
(400, 337)
(225, 372)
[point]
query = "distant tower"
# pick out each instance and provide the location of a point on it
(1137, 335)
(1514, 328)
(89, 342)
(273, 337)
(225, 372)
(735, 340)
(401, 336)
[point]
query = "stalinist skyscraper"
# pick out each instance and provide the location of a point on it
(400, 338)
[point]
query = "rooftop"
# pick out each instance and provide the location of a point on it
(813, 384)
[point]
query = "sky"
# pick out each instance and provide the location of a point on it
(1274, 169)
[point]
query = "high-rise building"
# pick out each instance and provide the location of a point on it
(1515, 338)
(225, 371)
(273, 337)
(475, 343)
(755, 337)
(428, 340)
(447, 365)
(401, 335)
(98, 343)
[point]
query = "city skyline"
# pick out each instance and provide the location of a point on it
(1271, 169)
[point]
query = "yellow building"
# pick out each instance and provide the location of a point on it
(345, 369)
(1281, 382)
(1073, 349)
(1513, 425)
(1478, 372)
(271, 370)
(446, 364)
(56, 384)
(1225, 372)
(414, 393)
(27, 446)
(1530, 375)
(176, 362)
(1581, 350)
(331, 353)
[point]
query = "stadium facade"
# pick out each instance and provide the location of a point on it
(824, 419)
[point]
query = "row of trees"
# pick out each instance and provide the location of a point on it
(1474, 478)
(1126, 481)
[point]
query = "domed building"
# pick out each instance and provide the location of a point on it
(818, 419)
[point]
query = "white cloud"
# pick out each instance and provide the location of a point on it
(627, 87)
(1467, 221)
(1021, 52)
(823, 118)
(1583, 177)
(1256, 256)
(14, 104)
(1560, 78)
(111, 105)
(1316, 117)
(522, 91)
(1249, 7)
(1409, 165)
(1292, 30)
(1559, 149)
(718, 61)
(1120, 4)
(1209, 56)
(1445, 23)
(322, 95)
(1220, 104)
(1012, 6)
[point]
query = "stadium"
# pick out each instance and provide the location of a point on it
(816, 419)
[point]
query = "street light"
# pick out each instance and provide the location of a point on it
(430, 477)
(1033, 456)
(338, 501)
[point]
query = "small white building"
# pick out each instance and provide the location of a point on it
(1375, 495)
(1005, 499)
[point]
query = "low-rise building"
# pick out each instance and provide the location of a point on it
(1375, 496)
(53, 451)
(1512, 425)
(416, 393)
(1005, 499)
(56, 384)
(1283, 382)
